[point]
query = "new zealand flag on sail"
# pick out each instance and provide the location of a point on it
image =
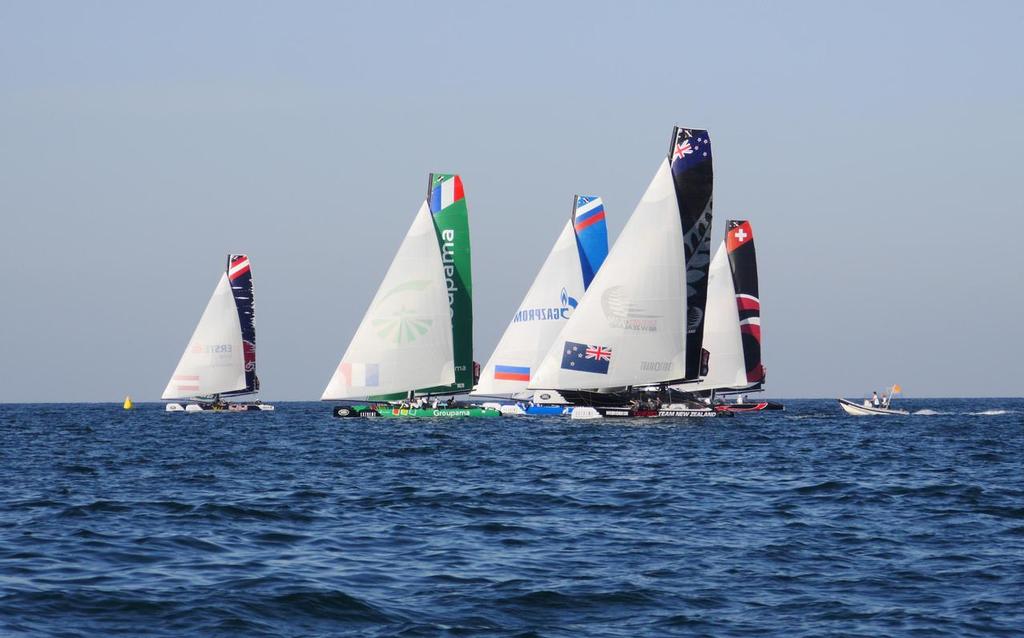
(584, 358)
(690, 158)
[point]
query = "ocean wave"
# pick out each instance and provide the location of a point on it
(801, 522)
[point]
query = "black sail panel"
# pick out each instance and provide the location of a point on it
(739, 241)
(240, 278)
(690, 159)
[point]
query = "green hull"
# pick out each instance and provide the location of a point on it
(437, 413)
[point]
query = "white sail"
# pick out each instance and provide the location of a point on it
(722, 337)
(629, 328)
(540, 317)
(214, 360)
(404, 341)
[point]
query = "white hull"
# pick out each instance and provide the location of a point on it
(855, 409)
(230, 407)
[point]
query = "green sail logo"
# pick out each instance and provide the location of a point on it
(401, 325)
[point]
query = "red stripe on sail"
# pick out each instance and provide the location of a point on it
(755, 375)
(753, 330)
(459, 194)
(589, 221)
(238, 273)
(746, 302)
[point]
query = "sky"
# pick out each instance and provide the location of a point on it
(874, 146)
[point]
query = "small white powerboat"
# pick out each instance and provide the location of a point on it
(867, 409)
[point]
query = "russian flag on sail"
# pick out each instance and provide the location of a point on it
(511, 373)
(360, 375)
(589, 211)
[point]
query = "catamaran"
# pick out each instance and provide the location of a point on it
(220, 358)
(640, 324)
(416, 337)
(565, 275)
(732, 332)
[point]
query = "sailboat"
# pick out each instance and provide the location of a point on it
(641, 321)
(732, 332)
(565, 275)
(220, 358)
(416, 336)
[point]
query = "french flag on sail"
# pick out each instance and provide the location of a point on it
(445, 191)
(360, 375)
(511, 373)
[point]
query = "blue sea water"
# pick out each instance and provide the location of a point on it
(798, 523)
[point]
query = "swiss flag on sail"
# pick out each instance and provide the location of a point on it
(739, 234)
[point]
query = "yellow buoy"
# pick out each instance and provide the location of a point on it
(128, 403)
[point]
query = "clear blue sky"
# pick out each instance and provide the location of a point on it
(875, 146)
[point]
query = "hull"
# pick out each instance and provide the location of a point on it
(366, 411)
(549, 410)
(227, 407)
(751, 407)
(855, 409)
(672, 411)
(527, 409)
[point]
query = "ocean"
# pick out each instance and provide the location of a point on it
(805, 522)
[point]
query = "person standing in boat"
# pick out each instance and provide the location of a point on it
(874, 400)
(885, 401)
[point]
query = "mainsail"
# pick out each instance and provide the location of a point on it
(632, 327)
(732, 334)
(569, 268)
(447, 201)
(217, 359)
(405, 338)
(690, 156)
(240, 278)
